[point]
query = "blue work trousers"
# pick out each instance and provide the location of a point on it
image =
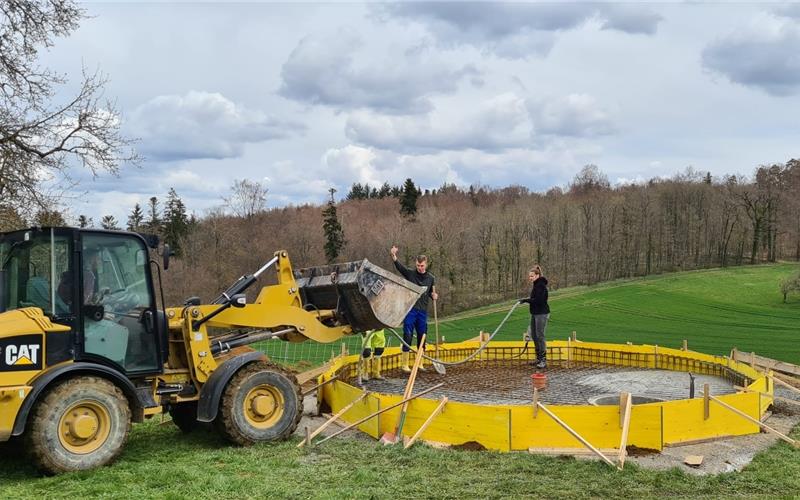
(416, 319)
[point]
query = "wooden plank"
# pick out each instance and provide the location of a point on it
(368, 417)
(410, 387)
(706, 402)
(309, 391)
(427, 422)
(306, 376)
(535, 402)
(757, 422)
(773, 364)
(623, 442)
(577, 436)
(331, 420)
(785, 384)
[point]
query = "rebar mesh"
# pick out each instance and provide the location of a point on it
(575, 375)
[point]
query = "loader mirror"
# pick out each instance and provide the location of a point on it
(165, 256)
(239, 300)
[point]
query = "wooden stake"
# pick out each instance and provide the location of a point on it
(685, 345)
(344, 349)
(410, 387)
(368, 417)
(757, 422)
(535, 402)
(626, 425)
(706, 405)
(308, 437)
(574, 336)
(779, 398)
(785, 384)
(577, 436)
(425, 424)
(330, 421)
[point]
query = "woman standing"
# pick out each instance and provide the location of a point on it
(540, 313)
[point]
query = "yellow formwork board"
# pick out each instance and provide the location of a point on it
(597, 424)
(683, 420)
(338, 395)
(506, 428)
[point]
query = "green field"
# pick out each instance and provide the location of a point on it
(713, 309)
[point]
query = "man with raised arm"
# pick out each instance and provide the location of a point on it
(417, 317)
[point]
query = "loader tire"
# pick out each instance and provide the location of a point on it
(79, 424)
(184, 416)
(261, 402)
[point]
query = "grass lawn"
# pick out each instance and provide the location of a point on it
(714, 310)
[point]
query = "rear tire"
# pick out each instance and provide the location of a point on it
(261, 402)
(79, 424)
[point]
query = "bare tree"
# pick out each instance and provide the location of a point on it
(40, 137)
(247, 199)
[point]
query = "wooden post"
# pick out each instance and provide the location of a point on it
(734, 352)
(425, 424)
(309, 391)
(330, 421)
(391, 407)
(569, 353)
(706, 406)
(757, 422)
(344, 349)
(626, 425)
(308, 437)
(535, 402)
(410, 386)
(753, 360)
(577, 436)
(685, 345)
(574, 336)
(655, 356)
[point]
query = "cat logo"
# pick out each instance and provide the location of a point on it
(25, 354)
(21, 353)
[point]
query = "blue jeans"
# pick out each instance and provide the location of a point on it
(415, 319)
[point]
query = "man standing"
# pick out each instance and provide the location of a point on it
(417, 317)
(540, 313)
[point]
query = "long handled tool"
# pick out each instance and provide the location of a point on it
(398, 432)
(440, 369)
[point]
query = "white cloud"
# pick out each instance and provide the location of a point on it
(575, 115)
(202, 125)
(765, 54)
(339, 71)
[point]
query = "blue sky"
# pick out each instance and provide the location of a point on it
(306, 96)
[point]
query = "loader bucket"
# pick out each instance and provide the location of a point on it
(363, 295)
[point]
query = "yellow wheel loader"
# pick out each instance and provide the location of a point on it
(87, 346)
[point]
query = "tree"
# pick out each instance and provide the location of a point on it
(49, 218)
(40, 138)
(84, 221)
(247, 198)
(153, 223)
(358, 192)
(10, 219)
(589, 179)
(176, 222)
(790, 284)
(135, 219)
(408, 200)
(334, 234)
(109, 222)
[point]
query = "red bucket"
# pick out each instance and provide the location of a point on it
(539, 381)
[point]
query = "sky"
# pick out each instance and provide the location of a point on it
(307, 96)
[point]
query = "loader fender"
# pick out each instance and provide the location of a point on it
(45, 381)
(211, 393)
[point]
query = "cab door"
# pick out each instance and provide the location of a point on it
(118, 307)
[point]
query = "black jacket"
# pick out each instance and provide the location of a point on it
(538, 298)
(420, 279)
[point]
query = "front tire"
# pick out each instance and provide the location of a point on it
(80, 424)
(261, 402)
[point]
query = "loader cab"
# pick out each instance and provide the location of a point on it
(96, 282)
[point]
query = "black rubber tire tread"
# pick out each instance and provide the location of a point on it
(226, 421)
(184, 416)
(41, 438)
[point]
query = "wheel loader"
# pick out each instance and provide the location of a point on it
(87, 346)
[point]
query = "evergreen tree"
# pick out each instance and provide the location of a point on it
(385, 191)
(109, 222)
(357, 192)
(334, 235)
(84, 221)
(175, 223)
(153, 223)
(136, 218)
(408, 200)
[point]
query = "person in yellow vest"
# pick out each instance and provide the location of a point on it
(373, 345)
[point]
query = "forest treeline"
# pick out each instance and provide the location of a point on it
(482, 241)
